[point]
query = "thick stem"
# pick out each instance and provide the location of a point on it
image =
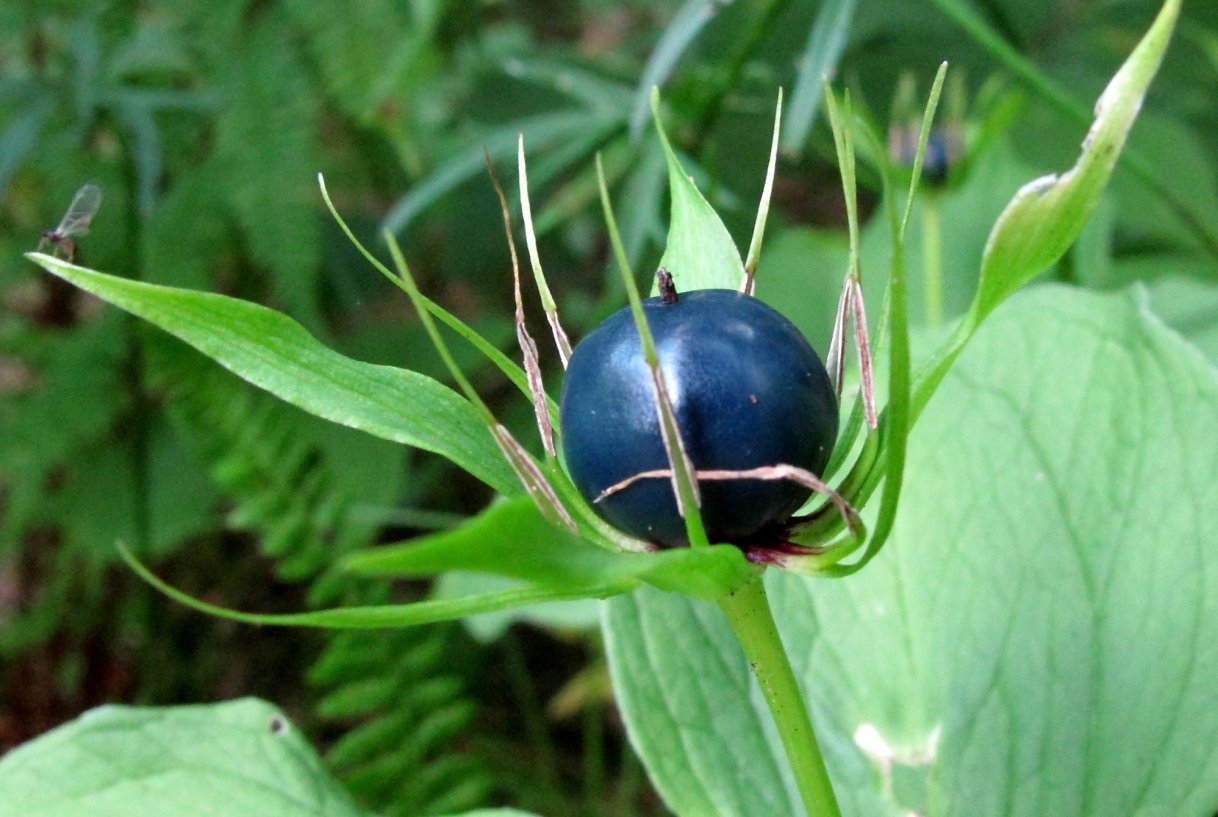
(748, 610)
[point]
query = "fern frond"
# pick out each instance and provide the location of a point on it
(395, 692)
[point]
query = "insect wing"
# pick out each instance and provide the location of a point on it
(84, 207)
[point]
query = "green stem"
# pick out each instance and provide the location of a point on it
(932, 263)
(748, 610)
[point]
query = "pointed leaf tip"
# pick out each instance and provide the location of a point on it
(700, 252)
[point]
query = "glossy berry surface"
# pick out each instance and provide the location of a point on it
(748, 391)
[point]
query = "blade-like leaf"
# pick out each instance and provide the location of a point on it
(384, 616)
(1036, 638)
(700, 252)
(222, 760)
(275, 353)
(509, 538)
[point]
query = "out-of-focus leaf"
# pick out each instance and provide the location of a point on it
(826, 41)
(21, 136)
(590, 89)
(975, 26)
(540, 132)
(146, 151)
(689, 20)
(1188, 305)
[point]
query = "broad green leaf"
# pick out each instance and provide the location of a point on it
(232, 759)
(1188, 305)
(826, 41)
(511, 539)
(1048, 213)
(1037, 638)
(700, 253)
(275, 353)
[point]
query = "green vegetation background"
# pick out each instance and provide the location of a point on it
(205, 123)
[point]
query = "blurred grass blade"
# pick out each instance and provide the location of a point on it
(689, 20)
(826, 41)
(579, 191)
(573, 156)
(597, 92)
(700, 253)
(644, 188)
(20, 136)
(275, 353)
(146, 152)
(541, 131)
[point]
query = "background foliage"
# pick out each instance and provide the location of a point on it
(205, 124)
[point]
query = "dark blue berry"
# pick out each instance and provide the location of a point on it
(748, 390)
